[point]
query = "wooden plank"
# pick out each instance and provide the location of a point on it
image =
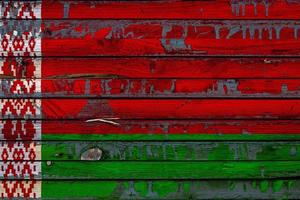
(148, 151)
(113, 109)
(171, 88)
(150, 130)
(198, 189)
(171, 137)
(171, 127)
(145, 170)
(150, 88)
(168, 37)
(168, 151)
(164, 9)
(170, 9)
(174, 67)
(169, 170)
(133, 67)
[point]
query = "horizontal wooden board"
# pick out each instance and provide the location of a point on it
(171, 137)
(198, 189)
(169, 170)
(151, 130)
(169, 190)
(157, 67)
(150, 88)
(179, 127)
(149, 151)
(163, 9)
(151, 170)
(159, 37)
(168, 37)
(113, 109)
(172, 151)
(170, 9)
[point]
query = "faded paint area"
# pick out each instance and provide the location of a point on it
(171, 38)
(162, 88)
(133, 29)
(238, 7)
(96, 108)
(204, 189)
(171, 150)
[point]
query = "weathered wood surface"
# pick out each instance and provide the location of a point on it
(202, 189)
(157, 67)
(159, 37)
(175, 67)
(243, 128)
(57, 136)
(133, 189)
(170, 9)
(151, 151)
(150, 99)
(169, 151)
(145, 170)
(150, 88)
(114, 109)
(169, 170)
(169, 37)
(166, 9)
(151, 130)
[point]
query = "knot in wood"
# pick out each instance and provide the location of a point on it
(92, 154)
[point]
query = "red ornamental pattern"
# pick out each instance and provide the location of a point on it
(20, 10)
(18, 157)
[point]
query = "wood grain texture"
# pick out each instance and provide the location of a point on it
(165, 9)
(151, 130)
(150, 99)
(200, 189)
(150, 88)
(169, 170)
(169, 151)
(169, 37)
(174, 127)
(154, 151)
(171, 137)
(113, 109)
(170, 9)
(157, 67)
(175, 67)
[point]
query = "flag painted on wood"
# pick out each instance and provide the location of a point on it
(150, 99)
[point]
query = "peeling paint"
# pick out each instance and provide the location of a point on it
(238, 7)
(117, 29)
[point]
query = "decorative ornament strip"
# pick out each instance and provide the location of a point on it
(19, 42)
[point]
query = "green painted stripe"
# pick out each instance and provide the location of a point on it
(169, 170)
(183, 136)
(171, 150)
(227, 189)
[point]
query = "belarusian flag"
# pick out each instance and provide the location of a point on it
(150, 99)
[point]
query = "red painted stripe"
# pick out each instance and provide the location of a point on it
(173, 127)
(165, 38)
(169, 88)
(155, 109)
(151, 127)
(171, 9)
(153, 47)
(171, 67)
